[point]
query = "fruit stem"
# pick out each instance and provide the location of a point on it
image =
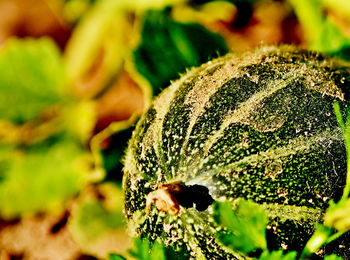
(164, 198)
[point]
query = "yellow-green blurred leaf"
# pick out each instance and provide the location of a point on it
(322, 35)
(80, 120)
(338, 216)
(31, 78)
(341, 6)
(97, 219)
(97, 47)
(151, 4)
(278, 255)
(40, 178)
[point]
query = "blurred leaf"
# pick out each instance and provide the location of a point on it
(40, 178)
(207, 13)
(141, 5)
(103, 31)
(341, 6)
(332, 40)
(116, 257)
(278, 255)
(80, 120)
(169, 47)
(337, 216)
(28, 133)
(74, 9)
(318, 239)
(31, 78)
(144, 250)
(97, 217)
(246, 225)
(320, 32)
(332, 257)
(198, 2)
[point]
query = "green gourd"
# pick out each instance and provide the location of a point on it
(257, 126)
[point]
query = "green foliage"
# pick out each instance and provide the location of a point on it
(43, 176)
(340, 6)
(91, 219)
(278, 255)
(105, 21)
(40, 177)
(144, 250)
(40, 171)
(246, 225)
(116, 257)
(169, 47)
(337, 216)
(318, 239)
(322, 34)
(332, 257)
(336, 219)
(31, 78)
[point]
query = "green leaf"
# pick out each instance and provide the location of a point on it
(147, 4)
(79, 120)
(168, 48)
(92, 219)
(41, 177)
(102, 30)
(337, 216)
(144, 250)
(278, 255)
(339, 6)
(321, 33)
(332, 257)
(116, 257)
(246, 225)
(318, 239)
(31, 78)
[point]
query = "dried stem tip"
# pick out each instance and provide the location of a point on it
(164, 198)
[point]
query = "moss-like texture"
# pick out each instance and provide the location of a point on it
(256, 126)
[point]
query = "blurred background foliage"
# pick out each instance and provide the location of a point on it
(75, 75)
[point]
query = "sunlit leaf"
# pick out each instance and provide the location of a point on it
(322, 35)
(80, 120)
(31, 78)
(104, 32)
(150, 4)
(210, 12)
(246, 225)
(40, 178)
(144, 250)
(97, 217)
(278, 255)
(318, 239)
(332, 257)
(116, 257)
(341, 6)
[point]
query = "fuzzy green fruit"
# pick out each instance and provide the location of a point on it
(258, 126)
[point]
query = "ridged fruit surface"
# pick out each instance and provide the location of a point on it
(256, 126)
